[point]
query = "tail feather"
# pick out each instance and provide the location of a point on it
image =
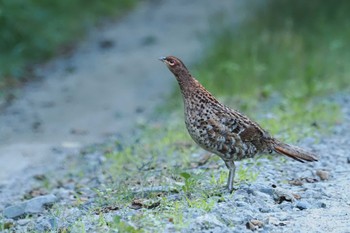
(294, 152)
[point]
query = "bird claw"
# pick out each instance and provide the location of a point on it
(226, 190)
(230, 191)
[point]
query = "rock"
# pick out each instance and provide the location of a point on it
(254, 224)
(296, 182)
(324, 175)
(265, 209)
(106, 44)
(14, 211)
(265, 189)
(241, 204)
(208, 220)
(309, 180)
(286, 206)
(322, 205)
(43, 225)
(54, 222)
(302, 205)
(23, 222)
(37, 204)
(32, 206)
(275, 221)
(280, 195)
(348, 160)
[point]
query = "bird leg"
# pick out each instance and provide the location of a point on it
(232, 169)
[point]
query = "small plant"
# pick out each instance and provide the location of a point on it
(247, 173)
(78, 226)
(120, 226)
(190, 182)
(174, 211)
(203, 203)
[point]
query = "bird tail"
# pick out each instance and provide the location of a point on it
(294, 152)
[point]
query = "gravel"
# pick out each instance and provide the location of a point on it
(321, 193)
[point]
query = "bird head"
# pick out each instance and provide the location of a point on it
(175, 65)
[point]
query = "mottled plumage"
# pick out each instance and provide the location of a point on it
(224, 131)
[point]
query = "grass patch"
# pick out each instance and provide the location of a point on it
(297, 48)
(34, 30)
(160, 174)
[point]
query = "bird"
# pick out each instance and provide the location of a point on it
(224, 131)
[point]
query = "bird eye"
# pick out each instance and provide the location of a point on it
(171, 62)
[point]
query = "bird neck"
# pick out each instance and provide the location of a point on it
(192, 90)
(186, 82)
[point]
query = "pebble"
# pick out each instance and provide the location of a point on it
(265, 189)
(43, 225)
(324, 175)
(286, 206)
(208, 219)
(302, 205)
(254, 224)
(23, 222)
(322, 205)
(275, 221)
(265, 209)
(280, 195)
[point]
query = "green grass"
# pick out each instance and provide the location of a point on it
(298, 48)
(34, 30)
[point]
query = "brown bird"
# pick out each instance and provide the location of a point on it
(222, 130)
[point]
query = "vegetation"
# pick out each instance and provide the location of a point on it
(34, 30)
(299, 49)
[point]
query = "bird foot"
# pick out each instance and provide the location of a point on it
(230, 191)
(226, 190)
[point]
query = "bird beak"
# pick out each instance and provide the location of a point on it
(162, 59)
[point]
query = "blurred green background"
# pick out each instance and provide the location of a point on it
(34, 30)
(300, 48)
(302, 44)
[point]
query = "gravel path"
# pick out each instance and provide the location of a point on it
(287, 196)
